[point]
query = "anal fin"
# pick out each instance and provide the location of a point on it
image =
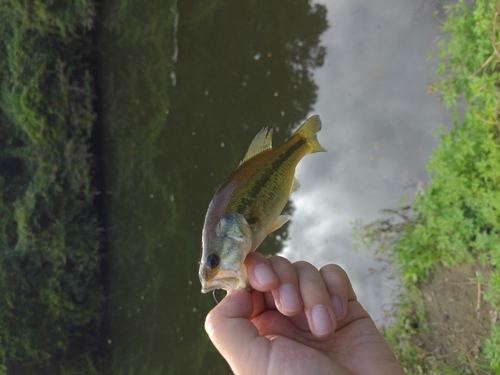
(278, 223)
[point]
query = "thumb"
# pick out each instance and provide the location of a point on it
(234, 335)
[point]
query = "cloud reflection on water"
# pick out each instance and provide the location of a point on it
(378, 123)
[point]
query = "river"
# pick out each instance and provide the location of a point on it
(185, 86)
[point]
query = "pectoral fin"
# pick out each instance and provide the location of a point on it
(279, 222)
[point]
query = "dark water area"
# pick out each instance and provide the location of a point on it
(185, 86)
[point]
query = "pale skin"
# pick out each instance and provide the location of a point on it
(298, 320)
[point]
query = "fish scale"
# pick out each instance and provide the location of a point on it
(273, 171)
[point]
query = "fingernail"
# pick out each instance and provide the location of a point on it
(289, 298)
(338, 309)
(321, 320)
(264, 275)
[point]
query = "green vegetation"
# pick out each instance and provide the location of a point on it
(50, 291)
(455, 218)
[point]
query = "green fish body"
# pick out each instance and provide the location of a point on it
(248, 205)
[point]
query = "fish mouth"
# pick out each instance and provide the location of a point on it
(226, 279)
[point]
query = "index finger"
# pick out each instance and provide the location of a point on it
(261, 274)
(283, 284)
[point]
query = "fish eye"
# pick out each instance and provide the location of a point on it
(212, 261)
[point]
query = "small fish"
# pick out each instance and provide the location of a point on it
(247, 206)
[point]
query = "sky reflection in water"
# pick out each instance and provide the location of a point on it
(378, 123)
(185, 88)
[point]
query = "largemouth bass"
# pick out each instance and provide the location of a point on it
(248, 205)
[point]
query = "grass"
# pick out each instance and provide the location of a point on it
(50, 290)
(455, 218)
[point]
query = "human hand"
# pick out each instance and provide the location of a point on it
(298, 320)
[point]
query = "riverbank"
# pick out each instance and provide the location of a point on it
(446, 244)
(51, 289)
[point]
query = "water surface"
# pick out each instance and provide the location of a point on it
(186, 86)
(379, 124)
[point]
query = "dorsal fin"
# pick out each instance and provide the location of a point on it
(262, 142)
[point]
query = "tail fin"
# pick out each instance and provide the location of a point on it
(308, 130)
